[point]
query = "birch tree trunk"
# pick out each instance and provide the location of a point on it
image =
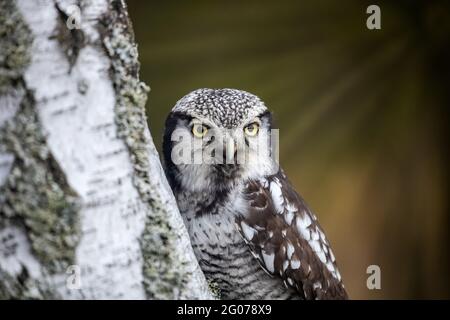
(85, 209)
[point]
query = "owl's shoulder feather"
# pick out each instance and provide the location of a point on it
(286, 238)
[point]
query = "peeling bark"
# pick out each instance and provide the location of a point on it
(80, 179)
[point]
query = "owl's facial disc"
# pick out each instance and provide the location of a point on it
(209, 147)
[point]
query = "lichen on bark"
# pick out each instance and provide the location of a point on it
(36, 194)
(23, 286)
(162, 270)
(214, 289)
(15, 39)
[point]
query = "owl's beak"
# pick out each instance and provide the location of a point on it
(230, 151)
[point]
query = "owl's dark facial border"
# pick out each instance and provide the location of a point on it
(267, 119)
(172, 121)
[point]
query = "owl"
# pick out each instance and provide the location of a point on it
(252, 233)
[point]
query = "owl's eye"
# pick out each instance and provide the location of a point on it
(252, 129)
(199, 130)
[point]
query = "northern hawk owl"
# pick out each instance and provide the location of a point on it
(252, 233)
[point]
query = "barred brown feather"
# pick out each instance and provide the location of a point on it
(282, 236)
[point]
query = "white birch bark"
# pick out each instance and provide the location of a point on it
(81, 183)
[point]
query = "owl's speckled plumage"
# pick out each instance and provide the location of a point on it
(253, 235)
(226, 107)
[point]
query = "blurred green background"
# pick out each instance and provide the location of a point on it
(362, 116)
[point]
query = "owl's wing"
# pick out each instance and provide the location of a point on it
(287, 240)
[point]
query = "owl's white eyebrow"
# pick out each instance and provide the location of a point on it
(198, 121)
(255, 120)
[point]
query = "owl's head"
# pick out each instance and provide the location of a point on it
(216, 137)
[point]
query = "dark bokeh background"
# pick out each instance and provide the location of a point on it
(362, 115)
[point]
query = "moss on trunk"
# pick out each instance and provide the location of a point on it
(36, 194)
(15, 39)
(163, 274)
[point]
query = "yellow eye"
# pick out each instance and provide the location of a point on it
(199, 130)
(252, 129)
